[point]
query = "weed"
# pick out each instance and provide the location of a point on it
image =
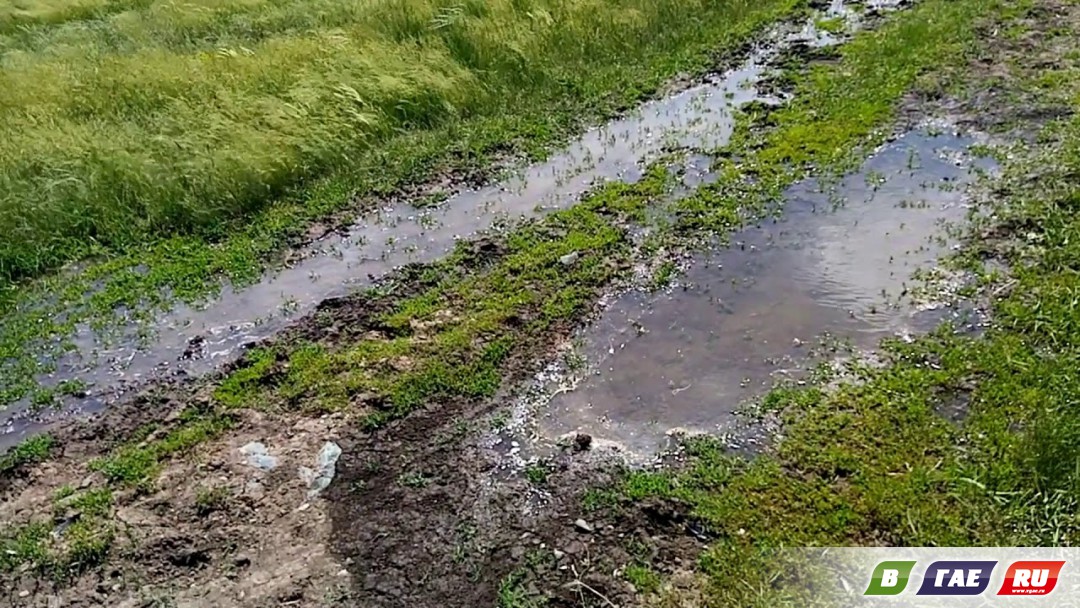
(597, 499)
(29, 451)
(136, 463)
(512, 594)
(209, 500)
(537, 473)
(643, 578)
(663, 276)
(414, 480)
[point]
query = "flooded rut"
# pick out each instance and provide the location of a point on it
(837, 264)
(195, 340)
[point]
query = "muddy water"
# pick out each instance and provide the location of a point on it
(189, 340)
(837, 264)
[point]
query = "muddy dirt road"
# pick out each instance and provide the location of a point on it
(788, 305)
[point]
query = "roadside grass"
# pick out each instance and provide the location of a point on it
(176, 168)
(30, 451)
(874, 460)
(77, 536)
(176, 121)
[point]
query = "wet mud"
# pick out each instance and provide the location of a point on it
(830, 275)
(193, 341)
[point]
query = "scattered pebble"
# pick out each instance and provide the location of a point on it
(583, 525)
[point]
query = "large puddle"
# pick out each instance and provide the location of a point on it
(189, 340)
(838, 263)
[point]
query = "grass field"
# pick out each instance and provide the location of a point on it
(125, 121)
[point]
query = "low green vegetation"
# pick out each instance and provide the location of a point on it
(538, 473)
(136, 463)
(959, 439)
(643, 578)
(177, 147)
(209, 500)
(30, 451)
(78, 536)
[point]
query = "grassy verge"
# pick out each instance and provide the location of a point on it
(30, 451)
(168, 121)
(167, 215)
(877, 461)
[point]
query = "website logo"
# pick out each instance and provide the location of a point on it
(956, 578)
(890, 578)
(966, 577)
(1031, 578)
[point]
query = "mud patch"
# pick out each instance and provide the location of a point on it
(832, 274)
(192, 341)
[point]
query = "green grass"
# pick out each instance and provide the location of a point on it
(512, 593)
(537, 473)
(77, 537)
(29, 451)
(162, 120)
(174, 165)
(136, 463)
(643, 578)
(209, 500)
(874, 461)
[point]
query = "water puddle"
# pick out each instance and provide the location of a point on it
(744, 316)
(194, 341)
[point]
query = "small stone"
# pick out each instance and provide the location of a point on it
(582, 442)
(254, 489)
(569, 259)
(559, 554)
(24, 593)
(117, 587)
(343, 572)
(241, 560)
(796, 343)
(583, 525)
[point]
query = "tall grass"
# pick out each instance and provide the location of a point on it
(155, 118)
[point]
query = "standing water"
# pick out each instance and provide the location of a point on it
(745, 316)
